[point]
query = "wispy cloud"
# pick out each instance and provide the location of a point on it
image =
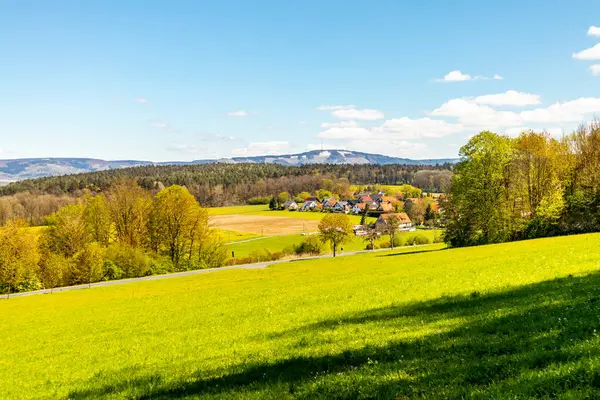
(458, 76)
(141, 100)
(163, 125)
(595, 69)
(355, 114)
(213, 137)
(239, 113)
(335, 107)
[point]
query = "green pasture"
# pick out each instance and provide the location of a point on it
(509, 321)
(275, 244)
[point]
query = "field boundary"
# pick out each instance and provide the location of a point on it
(250, 266)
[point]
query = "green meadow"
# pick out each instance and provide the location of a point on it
(275, 244)
(508, 321)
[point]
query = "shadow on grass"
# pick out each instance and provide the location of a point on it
(406, 253)
(532, 341)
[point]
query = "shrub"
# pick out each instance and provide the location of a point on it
(310, 245)
(160, 266)
(421, 239)
(111, 271)
(131, 261)
(259, 200)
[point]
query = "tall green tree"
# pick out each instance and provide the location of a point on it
(179, 222)
(67, 233)
(480, 194)
(129, 206)
(335, 229)
(273, 203)
(391, 227)
(97, 218)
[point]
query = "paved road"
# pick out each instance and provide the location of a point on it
(186, 273)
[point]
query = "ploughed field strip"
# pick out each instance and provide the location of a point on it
(515, 320)
(263, 225)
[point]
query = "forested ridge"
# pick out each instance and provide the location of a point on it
(228, 184)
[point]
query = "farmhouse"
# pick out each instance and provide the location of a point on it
(310, 205)
(329, 204)
(290, 205)
(385, 207)
(365, 199)
(341, 206)
(405, 222)
(359, 208)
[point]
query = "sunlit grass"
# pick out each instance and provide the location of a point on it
(484, 322)
(275, 244)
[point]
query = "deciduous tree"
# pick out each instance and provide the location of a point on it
(335, 229)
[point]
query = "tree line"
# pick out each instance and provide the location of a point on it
(220, 184)
(526, 187)
(124, 232)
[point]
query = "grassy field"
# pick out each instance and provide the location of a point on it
(506, 321)
(277, 243)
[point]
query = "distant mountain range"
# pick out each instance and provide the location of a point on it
(26, 168)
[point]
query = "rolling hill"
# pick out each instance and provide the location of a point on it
(27, 168)
(508, 321)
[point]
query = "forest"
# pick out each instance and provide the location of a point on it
(526, 187)
(221, 184)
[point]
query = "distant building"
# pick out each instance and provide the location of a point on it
(310, 205)
(290, 205)
(405, 222)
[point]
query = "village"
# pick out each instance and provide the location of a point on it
(375, 205)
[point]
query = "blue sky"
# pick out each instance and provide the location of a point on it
(183, 80)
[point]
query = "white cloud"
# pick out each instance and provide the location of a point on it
(397, 148)
(570, 111)
(354, 114)
(186, 148)
(324, 146)
(455, 76)
(263, 149)
(595, 69)
(475, 115)
(516, 131)
(341, 124)
(141, 100)
(302, 122)
(594, 31)
(238, 113)
(458, 76)
(344, 132)
(407, 128)
(335, 107)
(553, 131)
(508, 98)
(593, 53)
